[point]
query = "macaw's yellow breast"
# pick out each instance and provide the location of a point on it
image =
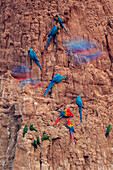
(56, 18)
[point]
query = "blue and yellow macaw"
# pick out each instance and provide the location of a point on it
(58, 78)
(34, 57)
(65, 113)
(71, 128)
(58, 19)
(79, 103)
(52, 33)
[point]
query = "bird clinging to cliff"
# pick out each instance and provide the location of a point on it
(38, 141)
(25, 130)
(46, 137)
(58, 78)
(58, 19)
(32, 128)
(79, 103)
(52, 33)
(34, 57)
(65, 113)
(108, 130)
(71, 128)
(35, 145)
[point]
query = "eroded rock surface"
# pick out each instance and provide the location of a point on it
(26, 24)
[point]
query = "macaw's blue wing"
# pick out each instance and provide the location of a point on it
(80, 111)
(79, 102)
(38, 64)
(24, 82)
(48, 41)
(64, 27)
(53, 31)
(49, 87)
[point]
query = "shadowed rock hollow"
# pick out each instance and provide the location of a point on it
(26, 24)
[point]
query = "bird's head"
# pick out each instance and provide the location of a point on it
(109, 124)
(80, 95)
(30, 50)
(58, 27)
(63, 77)
(31, 124)
(57, 15)
(68, 110)
(26, 125)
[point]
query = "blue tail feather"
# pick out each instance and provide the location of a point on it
(38, 64)
(64, 28)
(80, 111)
(48, 41)
(49, 87)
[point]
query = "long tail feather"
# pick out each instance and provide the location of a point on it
(107, 134)
(64, 28)
(57, 121)
(72, 138)
(38, 64)
(49, 87)
(80, 111)
(48, 41)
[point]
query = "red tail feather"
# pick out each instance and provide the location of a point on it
(72, 138)
(57, 121)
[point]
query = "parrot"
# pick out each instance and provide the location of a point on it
(35, 145)
(71, 128)
(79, 103)
(65, 113)
(38, 141)
(46, 137)
(108, 130)
(52, 33)
(58, 19)
(58, 78)
(25, 130)
(32, 128)
(34, 57)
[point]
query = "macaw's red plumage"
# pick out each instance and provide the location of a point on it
(65, 113)
(71, 128)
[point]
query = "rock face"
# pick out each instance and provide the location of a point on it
(26, 24)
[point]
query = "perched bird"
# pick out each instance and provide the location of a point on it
(58, 19)
(65, 113)
(38, 141)
(25, 130)
(46, 137)
(58, 78)
(79, 103)
(52, 33)
(32, 128)
(34, 57)
(35, 145)
(71, 128)
(108, 130)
